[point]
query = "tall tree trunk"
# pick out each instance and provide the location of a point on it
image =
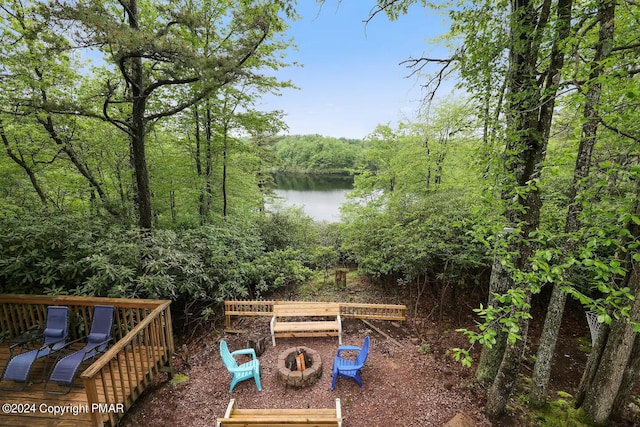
(546, 348)
(208, 174)
(202, 208)
(138, 130)
(145, 219)
(172, 206)
(225, 149)
(555, 310)
(629, 380)
(593, 362)
(532, 105)
(607, 383)
(608, 386)
(499, 283)
(507, 375)
(519, 108)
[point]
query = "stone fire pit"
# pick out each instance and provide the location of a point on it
(287, 370)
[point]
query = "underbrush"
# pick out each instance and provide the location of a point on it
(558, 412)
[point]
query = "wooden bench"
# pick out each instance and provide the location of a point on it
(278, 417)
(280, 327)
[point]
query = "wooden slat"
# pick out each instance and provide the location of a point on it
(306, 309)
(232, 422)
(305, 326)
(276, 420)
(306, 334)
(285, 411)
(374, 311)
(273, 417)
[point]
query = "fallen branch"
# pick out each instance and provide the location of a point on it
(375, 328)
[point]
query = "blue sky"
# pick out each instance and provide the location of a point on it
(351, 79)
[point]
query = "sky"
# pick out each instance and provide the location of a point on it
(351, 79)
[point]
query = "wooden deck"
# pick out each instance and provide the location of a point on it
(104, 389)
(41, 406)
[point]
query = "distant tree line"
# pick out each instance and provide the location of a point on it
(318, 154)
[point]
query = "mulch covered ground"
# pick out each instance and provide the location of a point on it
(402, 387)
(409, 378)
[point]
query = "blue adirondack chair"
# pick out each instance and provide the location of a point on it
(55, 334)
(66, 366)
(242, 372)
(350, 368)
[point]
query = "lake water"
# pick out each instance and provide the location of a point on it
(319, 196)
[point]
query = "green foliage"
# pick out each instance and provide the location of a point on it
(277, 269)
(411, 238)
(558, 413)
(283, 228)
(424, 348)
(324, 257)
(40, 252)
(413, 204)
(461, 355)
(179, 379)
(78, 255)
(317, 154)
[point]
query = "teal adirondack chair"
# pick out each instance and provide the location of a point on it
(242, 372)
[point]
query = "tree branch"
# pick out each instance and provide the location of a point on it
(27, 169)
(149, 89)
(123, 70)
(127, 9)
(123, 126)
(206, 92)
(418, 65)
(380, 8)
(612, 128)
(627, 47)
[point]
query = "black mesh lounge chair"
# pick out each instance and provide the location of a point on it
(67, 364)
(55, 334)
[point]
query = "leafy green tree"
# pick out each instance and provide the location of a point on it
(151, 48)
(39, 71)
(404, 226)
(590, 126)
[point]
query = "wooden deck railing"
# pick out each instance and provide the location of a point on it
(143, 344)
(127, 368)
(359, 311)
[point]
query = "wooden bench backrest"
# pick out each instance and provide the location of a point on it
(306, 309)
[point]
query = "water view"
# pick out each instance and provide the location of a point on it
(319, 196)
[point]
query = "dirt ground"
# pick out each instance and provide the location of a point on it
(409, 378)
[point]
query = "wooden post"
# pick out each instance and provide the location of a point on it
(92, 398)
(341, 278)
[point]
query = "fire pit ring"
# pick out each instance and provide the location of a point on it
(294, 377)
